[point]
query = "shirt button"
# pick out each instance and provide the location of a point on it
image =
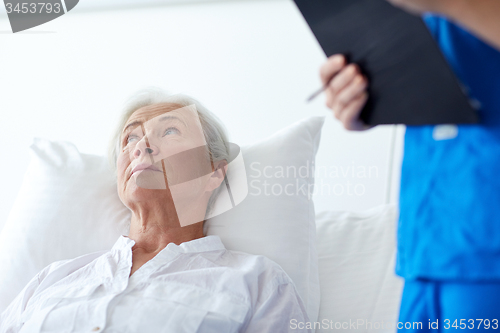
(95, 329)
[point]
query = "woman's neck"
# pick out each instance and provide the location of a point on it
(153, 233)
(150, 238)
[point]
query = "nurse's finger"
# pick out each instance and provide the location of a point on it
(350, 114)
(331, 67)
(343, 79)
(350, 91)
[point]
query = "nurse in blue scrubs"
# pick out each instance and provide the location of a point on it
(449, 226)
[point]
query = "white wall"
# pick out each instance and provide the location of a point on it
(251, 62)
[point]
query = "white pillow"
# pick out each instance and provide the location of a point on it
(68, 206)
(276, 219)
(356, 253)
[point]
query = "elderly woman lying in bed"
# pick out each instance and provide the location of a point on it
(166, 276)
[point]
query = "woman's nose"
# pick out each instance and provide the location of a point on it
(142, 148)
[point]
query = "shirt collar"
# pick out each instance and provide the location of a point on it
(123, 242)
(204, 244)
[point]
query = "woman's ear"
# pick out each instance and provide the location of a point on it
(217, 176)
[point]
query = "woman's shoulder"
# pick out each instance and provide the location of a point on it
(259, 266)
(266, 280)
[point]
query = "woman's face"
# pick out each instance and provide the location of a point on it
(159, 150)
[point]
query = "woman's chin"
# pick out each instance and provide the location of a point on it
(136, 193)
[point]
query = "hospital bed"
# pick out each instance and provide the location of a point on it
(252, 63)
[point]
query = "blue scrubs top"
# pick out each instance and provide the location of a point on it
(449, 226)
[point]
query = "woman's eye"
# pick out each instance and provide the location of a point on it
(131, 138)
(170, 131)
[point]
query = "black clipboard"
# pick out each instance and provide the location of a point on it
(410, 80)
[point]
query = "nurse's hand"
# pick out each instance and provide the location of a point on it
(346, 93)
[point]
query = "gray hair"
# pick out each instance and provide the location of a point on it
(213, 129)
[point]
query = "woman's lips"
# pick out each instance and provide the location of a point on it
(144, 166)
